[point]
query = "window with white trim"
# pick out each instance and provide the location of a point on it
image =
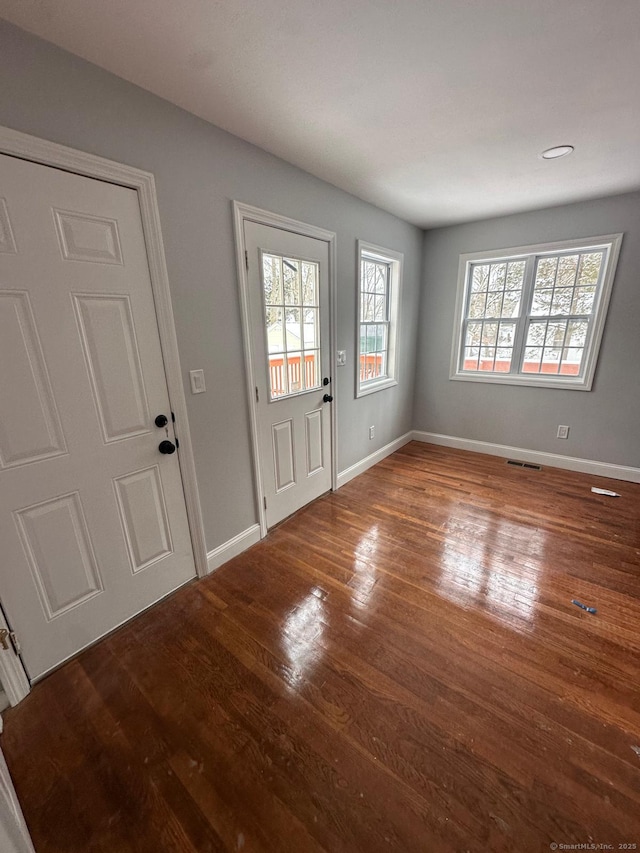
(379, 282)
(534, 315)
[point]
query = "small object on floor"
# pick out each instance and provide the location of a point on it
(604, 492)
(583, 606)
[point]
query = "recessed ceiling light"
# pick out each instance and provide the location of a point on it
(557, 151)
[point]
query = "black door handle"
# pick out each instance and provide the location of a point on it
(327, 398)
(167, 446)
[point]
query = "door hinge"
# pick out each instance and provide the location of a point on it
(264, 501)
(257, 395)
(246, 258)
(12, 638)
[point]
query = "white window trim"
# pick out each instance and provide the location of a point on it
(610, 243)
(395, 261)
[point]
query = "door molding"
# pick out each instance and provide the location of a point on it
(247, 213)
(26, 147)
(12, 674)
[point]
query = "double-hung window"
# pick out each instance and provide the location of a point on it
(379, 284)
(534, 315)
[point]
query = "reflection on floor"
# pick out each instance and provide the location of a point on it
(398, 667)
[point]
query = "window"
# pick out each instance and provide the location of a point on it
(378, 308)
(534, 315)
(291, 306)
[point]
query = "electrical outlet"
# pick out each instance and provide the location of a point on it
(372, 432)
(563, 431)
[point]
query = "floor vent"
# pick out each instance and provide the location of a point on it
(519, 464)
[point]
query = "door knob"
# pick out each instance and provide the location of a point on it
(327, 398)
(326, 381)
(167, 447)
(161, 421)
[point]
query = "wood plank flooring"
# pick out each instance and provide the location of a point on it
(398, 667)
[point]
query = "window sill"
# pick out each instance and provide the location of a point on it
(371, 388)
(536, 381)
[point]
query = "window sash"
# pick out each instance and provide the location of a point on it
(385, 322)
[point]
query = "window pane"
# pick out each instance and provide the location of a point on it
(506, 334)
(272, 279)
(294, 372)
(480, 278)
(555, 334)
(380, 308)
(577, 333)
(532, 357)
(511, 304)
(536, 333)
(471, 358)
(515, 275)
(293, 332)
(380, 278)
(275, 330)
(541, 303)
(477, 305)
(312, 369)
(310, 328)
(503, 359)
(490, 334)
(494, 304)
(583, 300)
(371, 339)
(551, 360)
(292, 281)
(546, 272)
(278, 376)
(589, 268)
(562, 298)
(571, 361)
(474, 333)
(487, 358)
(367, 307)
(497, 276)
(381, 338)
(309, 284)
(567, 267)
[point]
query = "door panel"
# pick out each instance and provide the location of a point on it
(30, 427)
(94, 527)
(289, 316)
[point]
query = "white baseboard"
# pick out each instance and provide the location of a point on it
(373, 459)
(555, 460)
(233, 547)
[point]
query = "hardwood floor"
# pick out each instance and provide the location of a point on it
(398, 667)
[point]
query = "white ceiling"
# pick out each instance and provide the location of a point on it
(435, 110)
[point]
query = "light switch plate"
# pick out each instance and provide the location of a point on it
(197, 381)
(342, 357)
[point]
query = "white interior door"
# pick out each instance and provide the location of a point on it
(92, 516)
(289, 312)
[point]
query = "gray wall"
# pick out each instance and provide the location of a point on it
(199, 169)
(605, 422)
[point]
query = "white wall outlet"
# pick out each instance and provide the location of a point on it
(342, 357)
(197, 381)
(372, 432)
(563, 431)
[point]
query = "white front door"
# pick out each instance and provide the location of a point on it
(93, 522)
(289, 313)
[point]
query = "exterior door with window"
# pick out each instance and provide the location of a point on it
(288, 278)
(93, 521)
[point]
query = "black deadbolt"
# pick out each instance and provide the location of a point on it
(326, 381)
(167, 446)
(161, 421)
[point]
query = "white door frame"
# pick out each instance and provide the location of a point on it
(42, 151)
(247, 213)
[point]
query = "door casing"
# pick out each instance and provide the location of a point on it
(26, 147)
(247, 213)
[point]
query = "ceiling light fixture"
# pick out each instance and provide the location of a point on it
(557, 151)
